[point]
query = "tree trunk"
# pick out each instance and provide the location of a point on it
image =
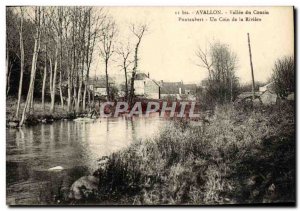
(22, 68)
(60, 92)
(74, 96)
(126, 83)
(52, 108)
(60, 59)
(133, 73)
(51, 78)
(69, 90)
(44, 82)
(8, 71)
(84, 96)
(89, 98)
(106, 76)
(32, 77)
(79, 96)
(31, 107)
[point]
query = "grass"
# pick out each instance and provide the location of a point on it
(38, 112)
(241, 157)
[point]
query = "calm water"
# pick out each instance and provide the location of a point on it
(75, 146)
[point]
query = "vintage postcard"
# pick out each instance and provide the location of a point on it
(150, 106)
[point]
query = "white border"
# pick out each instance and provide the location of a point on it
(3, 3)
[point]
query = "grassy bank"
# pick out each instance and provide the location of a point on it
(38, 113)
(241, 157)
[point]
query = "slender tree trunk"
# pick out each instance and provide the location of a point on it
(8, 71)
(60, 92)
(33, 72)
(60, 59)
(7, 66)
(89, 98)
(44, 82)
(44, 86)
(69, 90)
(22, 68)
(75, 88)
(84, 96)
(52, 108)
(251, 65)
(70, 83)
(31, 104)
(126, 82)
(79, 95)
(134, 73)
(75, 96)
(51, 78)
(106, 76)
(69, 80)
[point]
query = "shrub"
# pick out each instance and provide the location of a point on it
(241, 157)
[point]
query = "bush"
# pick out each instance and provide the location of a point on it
(241, 157)
(284, 76)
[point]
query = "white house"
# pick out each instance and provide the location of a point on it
(144, 86)
(266, 87)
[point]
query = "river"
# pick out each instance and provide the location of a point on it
(74, 146)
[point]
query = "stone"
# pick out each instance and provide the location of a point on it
(13, 124)
(56, 168)
(83, 186)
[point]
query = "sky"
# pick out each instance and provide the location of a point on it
(168, 48)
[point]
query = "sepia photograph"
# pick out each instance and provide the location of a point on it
(150, 105)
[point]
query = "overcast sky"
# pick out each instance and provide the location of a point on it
(167, 51)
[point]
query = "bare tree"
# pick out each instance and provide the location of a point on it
(68, 36)
(21, 60)
(94, 29)
(221, 63)
(284, 76)
(60, 28)
(138, 32)
(44, 80)
(83, 17)
(107, 47)
(125, 53)
(204, 61)
(45, 43)
(34, 62)
(54, 33)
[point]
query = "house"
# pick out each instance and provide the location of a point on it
(144, 86)
(268, 97)
(269, 86)
(267, 94)
(119, 83)
(98, 86)
(190, 89)
(178, 90)
(171, 89)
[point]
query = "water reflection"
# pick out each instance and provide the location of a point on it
(69, 144)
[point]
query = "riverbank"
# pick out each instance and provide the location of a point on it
(142, 107)
(39, 115)
(241, 157)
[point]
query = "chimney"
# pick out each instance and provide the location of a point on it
(148, 75)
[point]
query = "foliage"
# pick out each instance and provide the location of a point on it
(221, 63)
(284, 76)
(241, 157)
